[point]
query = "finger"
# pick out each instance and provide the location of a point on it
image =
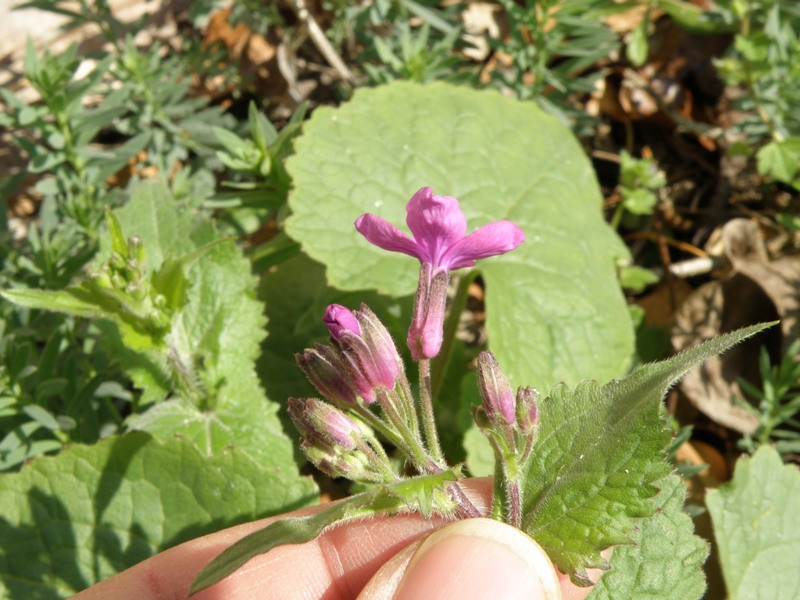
(336, 565)
(470, 560)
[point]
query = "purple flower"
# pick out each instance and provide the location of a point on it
(439, 229)
(441, 245)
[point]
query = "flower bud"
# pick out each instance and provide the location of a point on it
(426, 333)
(136, 249)
(527, 410)
(326, 372)
(323, 425)
(353, 465)
(366, 349)
(340, 319)
(498, 398)
(381, 346)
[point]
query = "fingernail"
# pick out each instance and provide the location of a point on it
(479, 559)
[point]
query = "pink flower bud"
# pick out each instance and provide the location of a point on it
(323, 425)
(498, 398)
(326, 372)
(527, 410)
(366, 349)
(340, 319)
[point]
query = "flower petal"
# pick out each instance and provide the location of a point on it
(490, 240)
(436, 222)
(383, 234)
(338, 319)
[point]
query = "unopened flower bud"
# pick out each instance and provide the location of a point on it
(498, 398)
(353, 465)
(426, 333)
(136, 249)
(117, 261)
(135, 291)
(118, 281)
(340, 319)
(326, 372)
(102, 280)
(366, 349)
(323, 425)
(527, 410)
(381, 346)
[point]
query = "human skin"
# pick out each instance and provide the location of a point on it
(340, 563)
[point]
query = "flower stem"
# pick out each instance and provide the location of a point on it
(428, 419)
(406, 441)
(514, 499)
(465, 505)
(498, 494)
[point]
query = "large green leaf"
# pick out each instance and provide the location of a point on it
(555, 311)
(92, 511)
(598, 454)
(665, 560)
(756, 520)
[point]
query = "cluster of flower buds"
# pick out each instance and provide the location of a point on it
(362, 370)
(337, 444)
(124, 278)
(362, 363)
(509, 420)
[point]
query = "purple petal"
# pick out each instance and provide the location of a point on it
(338, 319)
(436, 222)
(383, 234)
(490, 240)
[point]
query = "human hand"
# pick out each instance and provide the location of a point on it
(401, 557)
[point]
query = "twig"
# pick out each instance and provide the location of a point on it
(321, 42)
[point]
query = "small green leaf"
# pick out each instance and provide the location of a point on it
(118, 242)
(235, 145)
(694, 19)
(756, 520)
(666, 558)
(639, 201)
(170, 280)
(42, 416)
(599, 451)
(62, 301)
(780, 160)
(637, 48)
(632, 277)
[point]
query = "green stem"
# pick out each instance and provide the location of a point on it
(498, 496)
(617, 216)
(426, 405)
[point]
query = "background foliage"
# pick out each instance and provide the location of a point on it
(172, 260)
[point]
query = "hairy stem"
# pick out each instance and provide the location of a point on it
(426, 404)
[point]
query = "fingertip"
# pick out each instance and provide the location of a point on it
(473, 558)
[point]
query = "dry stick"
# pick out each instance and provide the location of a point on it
(321, 42)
